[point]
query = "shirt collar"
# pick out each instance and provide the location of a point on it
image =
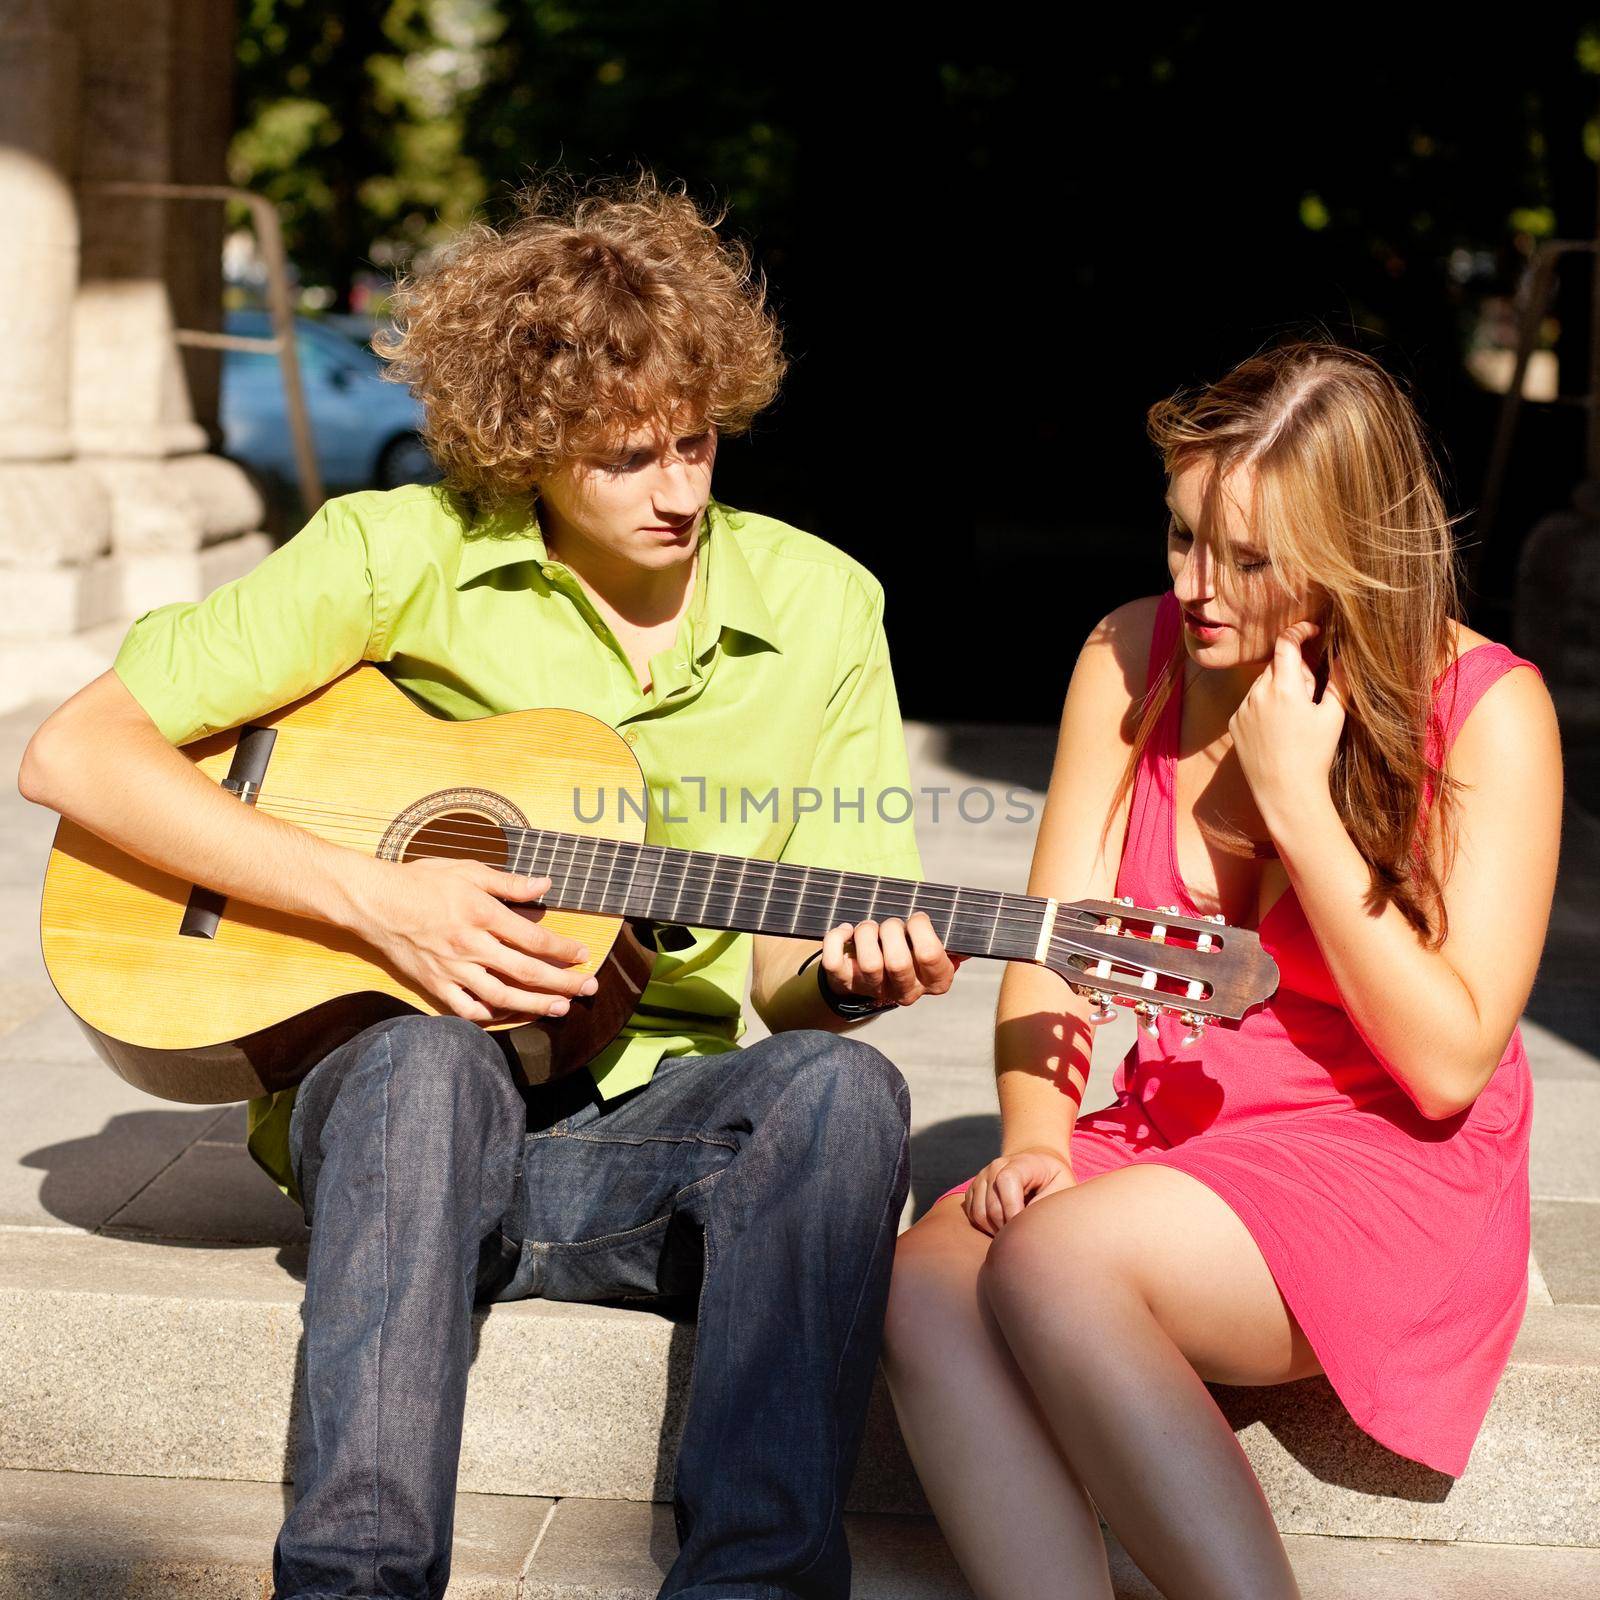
(510, 536)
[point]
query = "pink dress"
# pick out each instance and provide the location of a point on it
(1400, 1244)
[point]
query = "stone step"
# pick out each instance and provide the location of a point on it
(126, 1356)
(67, 1535)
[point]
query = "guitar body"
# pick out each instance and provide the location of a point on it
(251, 1005)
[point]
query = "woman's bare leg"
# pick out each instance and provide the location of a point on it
(1117, 1298)
(1015, 1516)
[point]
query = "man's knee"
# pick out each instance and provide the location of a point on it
(424, 1100)
(848, 1078)
(844, 1114)
(444, 1049)
(406, 1074)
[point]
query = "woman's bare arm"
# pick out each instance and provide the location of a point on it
(1042, 1037)
(1042, 1030)
(1439, 1020)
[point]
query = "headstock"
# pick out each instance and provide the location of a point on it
(1159, 961)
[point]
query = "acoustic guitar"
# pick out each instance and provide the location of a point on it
(196, 998)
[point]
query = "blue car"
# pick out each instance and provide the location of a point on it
(364, 430)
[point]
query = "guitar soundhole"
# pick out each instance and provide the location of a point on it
(462, 823)
(458, 834)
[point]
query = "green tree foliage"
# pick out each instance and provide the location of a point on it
(351, 118)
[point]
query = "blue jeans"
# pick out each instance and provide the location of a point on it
(768, 1181)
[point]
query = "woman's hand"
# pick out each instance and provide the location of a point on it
(442, 924)
(1286, 740)
(895, 962)
(1013, 1181)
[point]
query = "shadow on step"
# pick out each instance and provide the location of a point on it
(177, 1176)
(948, 1153)
(1310, 1423)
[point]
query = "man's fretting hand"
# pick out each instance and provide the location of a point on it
(895, 962)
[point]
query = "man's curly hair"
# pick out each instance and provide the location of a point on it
(602, 308)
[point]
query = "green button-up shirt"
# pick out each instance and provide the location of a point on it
(779, 679)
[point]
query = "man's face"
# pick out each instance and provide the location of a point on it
(640, 500)
(1249, 608)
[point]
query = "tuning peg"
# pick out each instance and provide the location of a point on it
(1103, 1011)
(1197, 1028)
(1150, 1018)
(1123, 900)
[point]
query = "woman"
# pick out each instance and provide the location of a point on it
(1339, 1183)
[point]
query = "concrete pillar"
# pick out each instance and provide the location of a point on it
(55, 515)
(110, 502)
(39, 265)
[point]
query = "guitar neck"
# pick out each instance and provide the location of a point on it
(700, 889)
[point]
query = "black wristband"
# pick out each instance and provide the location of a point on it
(850, 1006)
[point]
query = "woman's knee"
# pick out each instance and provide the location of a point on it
(1047, 1254)
(933, 1294)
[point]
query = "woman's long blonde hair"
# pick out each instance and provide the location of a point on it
(1347, 503)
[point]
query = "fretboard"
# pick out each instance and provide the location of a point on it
(701, 889)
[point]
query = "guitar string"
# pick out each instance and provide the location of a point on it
(1059, 943)
(982, 898)
(983, 907)
(382, 821)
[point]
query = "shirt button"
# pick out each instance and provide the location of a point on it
(632, 736)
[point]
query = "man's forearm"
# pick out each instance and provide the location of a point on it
(794, 1001)
(126, 784)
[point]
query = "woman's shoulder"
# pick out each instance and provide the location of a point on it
(1126, 634)
(1113, 668)
(1118, 647)
(1499, 711)
(1463, 640)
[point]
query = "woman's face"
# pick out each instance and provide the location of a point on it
(639, 501)
(1230, 619)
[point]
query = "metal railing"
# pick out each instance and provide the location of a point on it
(269, 238)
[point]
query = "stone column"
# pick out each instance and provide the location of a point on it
(156, 107)
(55, 515)
(110, 500)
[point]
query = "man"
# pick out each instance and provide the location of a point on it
(577, 372)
